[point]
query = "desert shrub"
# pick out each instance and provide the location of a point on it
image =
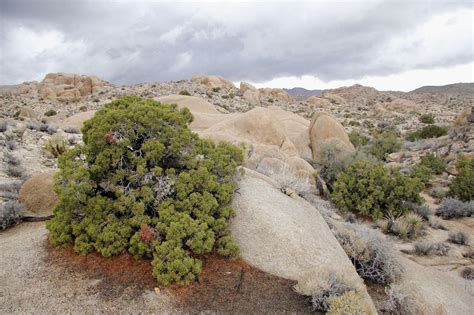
(402, 300)
(407, 226)
(324, 286)
(56, 145)
(350, 302)
(50, 112)
(15, 171)
(370, 189)
(184, 92)
(453, 208)
(83, 108)
(3, 126)
(350, 217)
(142, 182)
(434, 162)
(459, 238)
(422, 210)
(335, 286)
(422, 173)
(33, 126)
(430, 131)
(72, 130)
(462, 186)
(427, 118)
(11, 213)
(358, 139)
(333, 161)
(9, 189)
(43, 127)
(468, 273)
(384, 144)
(216, 89)
(288, 179)
(51, 130)
(437, 192)
(426, 249)
(371, 255)
(436, 224)
(10, 159)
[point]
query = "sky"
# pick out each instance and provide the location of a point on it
(387, 44)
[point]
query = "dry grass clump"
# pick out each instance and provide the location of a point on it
(331, 292)
(371, 255)
(350, 302)
(56, 145)
(288, 179)
(408, 226)
(404, 300)
(37, 194)
(427, 249)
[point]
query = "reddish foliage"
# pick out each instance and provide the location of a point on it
(224, 286)
(110, 138)
(148, 234)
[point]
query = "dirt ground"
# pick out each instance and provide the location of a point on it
(37, 278)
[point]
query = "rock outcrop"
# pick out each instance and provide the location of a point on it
(28, 113)
(274, 94)
(318, 102)
(76, 121)
(436, 291)
(69, 87)
(285, 236)
(326, 131)
(213, 81)
(275, 139)
(256, 96)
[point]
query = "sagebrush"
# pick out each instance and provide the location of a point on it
(11, 213)
(371, 255)
(142, 182)
(453, 208)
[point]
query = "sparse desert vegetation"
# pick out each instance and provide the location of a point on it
(203, 195)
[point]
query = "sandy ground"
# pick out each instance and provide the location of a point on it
(36, 278)
(31, 285)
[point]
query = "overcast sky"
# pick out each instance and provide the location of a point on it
(397, 45)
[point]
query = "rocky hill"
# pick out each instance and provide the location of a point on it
(302, 93)
(465, 89)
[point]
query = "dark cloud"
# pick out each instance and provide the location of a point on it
(137, 41)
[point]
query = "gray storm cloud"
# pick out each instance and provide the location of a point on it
(130, 42)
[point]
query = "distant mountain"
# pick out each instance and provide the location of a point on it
(302, 93)
(465, 89)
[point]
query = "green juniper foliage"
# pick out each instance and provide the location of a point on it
(144, 183)
(384, 144)
(429, 131)
(462, 186)
(370, 189)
